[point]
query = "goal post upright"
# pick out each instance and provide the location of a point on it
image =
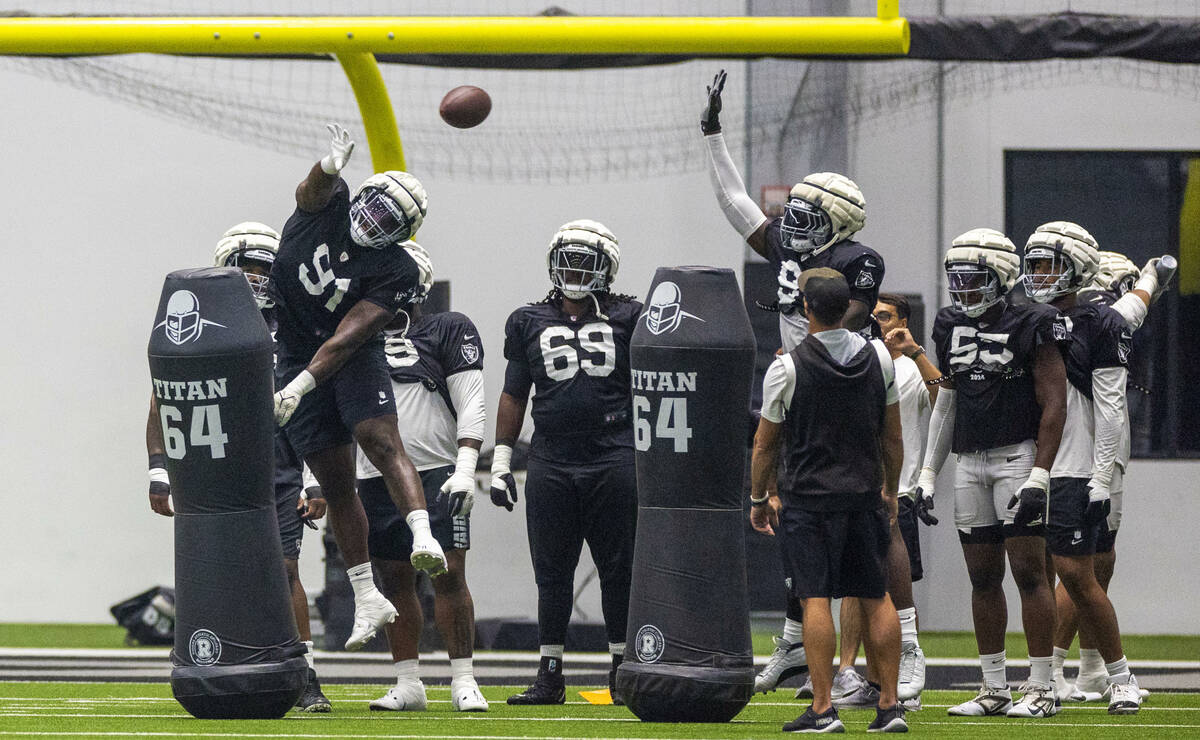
(354, 41)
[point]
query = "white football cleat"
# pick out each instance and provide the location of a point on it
(1036, 702)
(1067, 691)
(1125, 698)
(408, 696)
(912, 672)
(988, 703)
(427, 556)
(466, 696)
(370, 613)
(786, 661)
(1095, 688)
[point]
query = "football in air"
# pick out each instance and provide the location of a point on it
(465, 106)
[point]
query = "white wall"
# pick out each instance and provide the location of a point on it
(893, 161)
(101, 201)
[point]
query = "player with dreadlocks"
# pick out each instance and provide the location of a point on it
(573, 348)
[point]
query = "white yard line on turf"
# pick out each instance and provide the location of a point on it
(1050, 724)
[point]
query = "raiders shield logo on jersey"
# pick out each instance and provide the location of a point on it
(470, 352)
(864, 280)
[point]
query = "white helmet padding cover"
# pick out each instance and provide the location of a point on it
(1074, 256)
(839, 197)
(586, 251)
(249, 241)
(389, 207)
(981, 267)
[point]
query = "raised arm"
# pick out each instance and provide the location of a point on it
(314, 192)
(739, 208)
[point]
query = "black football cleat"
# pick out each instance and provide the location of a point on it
(313, 700)
(547, 688)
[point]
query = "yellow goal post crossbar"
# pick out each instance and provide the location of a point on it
(354, 41)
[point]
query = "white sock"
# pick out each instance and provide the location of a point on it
(362, 580)
(616, 648)
(1039, 671)
(308, 652)
(408, 671)
(1118, 670)
(793, 631)
(551, 651)
(418, 524)
(1056, 662)
(1090, 662)
(460, 669)
(908, 625)
(994, 670)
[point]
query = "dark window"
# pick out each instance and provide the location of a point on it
(1142, 204)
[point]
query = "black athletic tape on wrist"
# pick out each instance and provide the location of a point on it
(158, 460)
(313, 492)
(158, 488)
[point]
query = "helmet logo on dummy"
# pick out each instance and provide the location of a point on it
(182, 322)
(204, 647)
(650, 644)
(665, 312)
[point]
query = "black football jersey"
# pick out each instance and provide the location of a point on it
(862, 266)
(579, 370)
(1099, 338)
(991, 365)
(289, 476)
(320, 274)
(435, 347)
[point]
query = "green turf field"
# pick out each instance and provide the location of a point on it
(131, 710)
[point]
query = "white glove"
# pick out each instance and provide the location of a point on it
(288, 399)
(340, 147)
(504, 486)
(460, 487)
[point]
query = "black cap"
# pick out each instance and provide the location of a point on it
(827, 293)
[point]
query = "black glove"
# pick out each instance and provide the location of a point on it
(710, 123)
(504, 488)
(1031, 506)
(924, 507)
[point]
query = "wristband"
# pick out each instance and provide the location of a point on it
(938, 381)
(158, 460)
(301, 384)
(501, 459)
(760, 501)
(312, 492)
(468, 458)
(916, 353)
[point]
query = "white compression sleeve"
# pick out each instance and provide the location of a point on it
(1132, 309)
(1108, 408)
(739, 208)
(941, 430)
(466, 393)
(307, 476)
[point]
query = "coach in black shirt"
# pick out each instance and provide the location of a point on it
(836, 395)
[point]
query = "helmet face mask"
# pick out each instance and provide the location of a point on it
(974, 287)
(376, 220)
(805, 227)
(1047, 274)
(578, 269)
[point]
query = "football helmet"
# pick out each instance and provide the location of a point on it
(1060, 258)
(981, 267)
(1117, 273)
(425, 268)
(822, 209)
(583, 258)
(254, 245)
(387, 208)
